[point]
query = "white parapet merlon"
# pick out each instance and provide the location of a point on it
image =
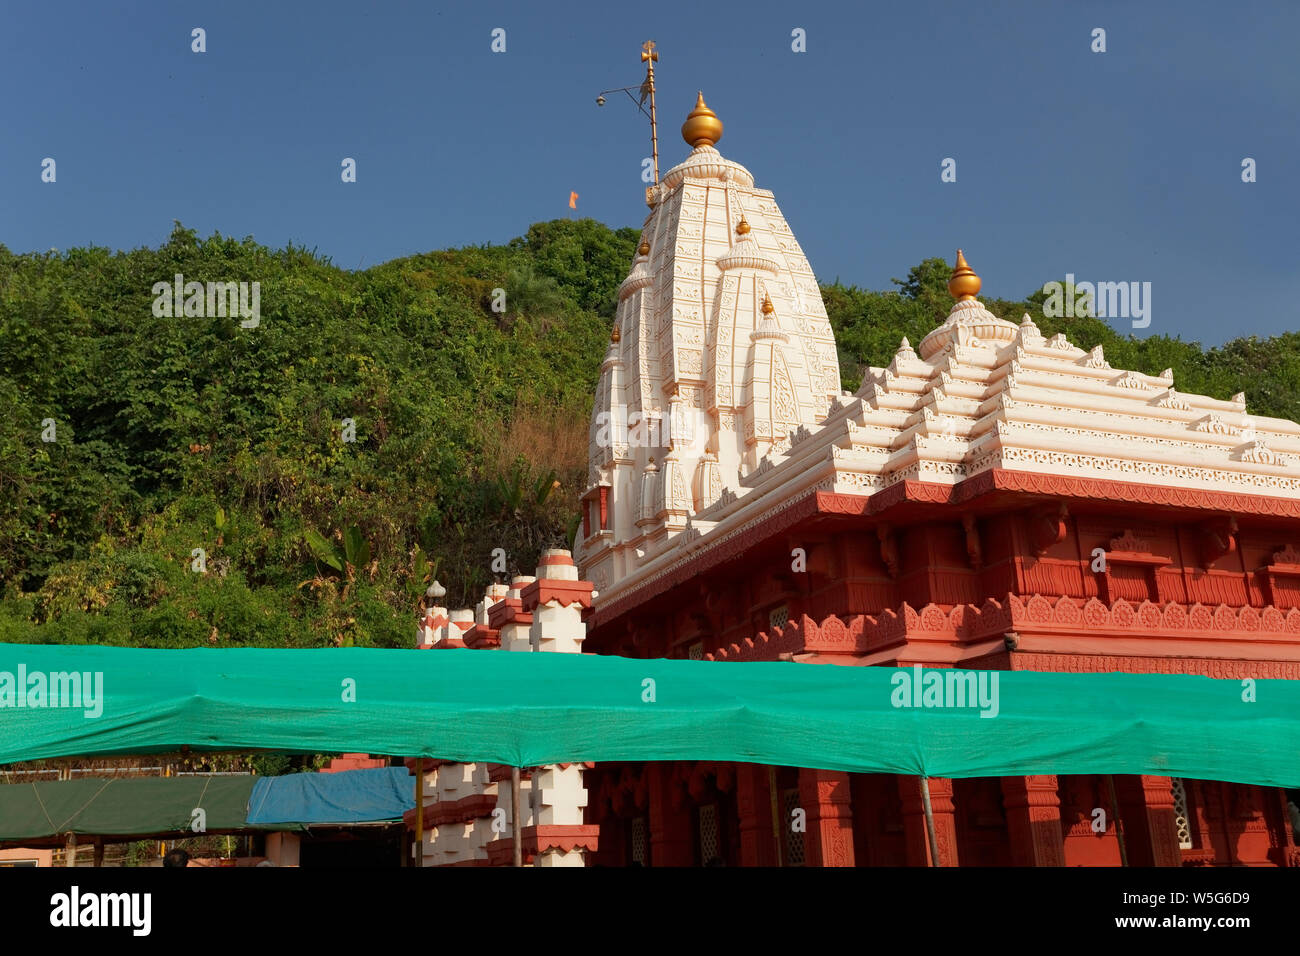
(462, 620)
(560, 795)
(515, 635)
(454, 844)
(557, 621)
(459, 780)
(560, 858)
(558, 629)
(493, 594)
(431, 846)
(430, 628)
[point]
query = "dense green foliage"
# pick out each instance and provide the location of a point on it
(176, 434)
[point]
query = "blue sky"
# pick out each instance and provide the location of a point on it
(1115, 166)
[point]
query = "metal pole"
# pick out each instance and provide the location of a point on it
(70, 851)
(1119, 829)
(649, 55)
(776, 824)
(929, 821)
(516, 828)
(419, 811)
(654, 126)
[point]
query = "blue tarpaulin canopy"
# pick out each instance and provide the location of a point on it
(380, 794)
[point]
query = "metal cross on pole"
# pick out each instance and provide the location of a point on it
(649, 56)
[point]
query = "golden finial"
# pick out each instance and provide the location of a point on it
(615, 336)
(702, 126)
(742, 227)
(767, 304)
(643, 249)
(964, 283)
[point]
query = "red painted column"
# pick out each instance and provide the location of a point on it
(1150, 834)
(945, 821)
(604, 508)
(586, 519)
(1034, 820)
(754, 804)
(824, 796)
(671, 840)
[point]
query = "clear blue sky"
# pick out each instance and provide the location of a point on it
(1115, 166)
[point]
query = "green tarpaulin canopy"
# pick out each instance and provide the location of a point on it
(141, 806)
(531, 709)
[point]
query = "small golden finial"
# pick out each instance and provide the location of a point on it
(964, 283)
(643, 249)
(615, 336)
(702, 126)
(768, 309)
(742, 227)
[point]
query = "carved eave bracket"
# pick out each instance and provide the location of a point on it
(1218, 539)
(1047, 528)
(888, 548)
(974, 551)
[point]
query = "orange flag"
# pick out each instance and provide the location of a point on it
(573, 200)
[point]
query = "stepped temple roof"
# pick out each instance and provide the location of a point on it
(719, 403)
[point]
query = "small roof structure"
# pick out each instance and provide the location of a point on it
(134, 808)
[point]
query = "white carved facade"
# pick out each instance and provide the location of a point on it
(722, 351)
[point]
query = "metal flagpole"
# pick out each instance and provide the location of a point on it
(648, 56)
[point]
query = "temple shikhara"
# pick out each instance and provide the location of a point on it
(993, 499)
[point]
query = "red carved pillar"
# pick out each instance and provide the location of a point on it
(754, 805)
(586, 520)
(670, 819)
(604, 508)
(1034, 820)
(945, 821)
(1147, 808)
(824, 795)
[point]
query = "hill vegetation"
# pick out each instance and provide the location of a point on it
(299, 484)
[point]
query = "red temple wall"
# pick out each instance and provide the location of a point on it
(857, 565)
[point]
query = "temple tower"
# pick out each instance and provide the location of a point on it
(720, 351)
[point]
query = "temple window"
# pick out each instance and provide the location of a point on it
(1182, 819)
(794, 851)
(708, 834)
(638, 853)
(778, 617)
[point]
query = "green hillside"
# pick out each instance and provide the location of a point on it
(184, 433)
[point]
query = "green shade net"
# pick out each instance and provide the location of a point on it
(128, 807)
(531, 709)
